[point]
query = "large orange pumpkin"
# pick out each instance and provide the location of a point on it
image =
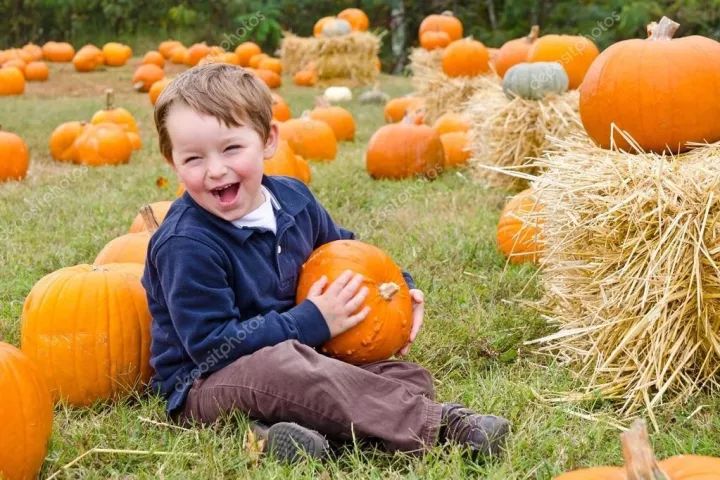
(158, 210)
(58, 52)
(402, 150)
(37, 72)
(18, 63)
(357, 19)
(103, 144)
(386, 329)
(515, 51)
(145, 75)
(12, 81)
(285, 162)
(574, 53)
(641, 464)
(62, 140)
(518, 240)
(88, 330)
(280, 108)
(445, 22)
(340, 120)
(651, 99)
(465, 58)
(114, 114)
(312, 139)
(14, 157)
(88, 58)
(26, 415)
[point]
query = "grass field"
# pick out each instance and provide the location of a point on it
(443, 232)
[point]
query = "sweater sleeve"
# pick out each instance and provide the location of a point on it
(202, 308)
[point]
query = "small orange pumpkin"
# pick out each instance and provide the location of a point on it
(520, 241)
(574, 52)
(12, 81)
(255, 60)
(340, 120)
(155, 58)
(103, 144)
(285, 162)
(88, 58)
(166, 47)
(14, 155)
(312, 139)
(112, 114)
(272, 64)
(397, 108)
(145, 75)
(196, 52)
(357, 19)
(403, 150)
(432, 40)
(386, 329)
(271, 79)
(305, 78)
(445, 22)
(455, 145)
(37, 72)
(26, 415)
(18, 63)
(116, 54)
(245, 51)
(33, 51)
(157, 88)
(88, 330)
(62, 140)
(451, 122)
(515, 51)
(465, 58)
(641, 464)
(58, 52)
(131, 247)
(158, 210)
(280, 108)
(179, 55)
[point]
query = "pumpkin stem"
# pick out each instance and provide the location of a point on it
(664, 30)
(109, 99)
(534, 33)
(640, 462)
(149, 218)
(388, 290)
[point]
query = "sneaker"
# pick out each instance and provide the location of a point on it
(484, 434)
(289, 442)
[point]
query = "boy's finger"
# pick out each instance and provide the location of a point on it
(351, 288)
(317, 287)
(357, 318)
(337, 285)
(354, 303)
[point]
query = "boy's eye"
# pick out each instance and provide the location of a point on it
(232, 147)
(190, 159)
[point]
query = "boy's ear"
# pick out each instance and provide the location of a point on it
(272, 141)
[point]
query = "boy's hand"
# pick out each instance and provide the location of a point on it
(339, 303)
(418, 310)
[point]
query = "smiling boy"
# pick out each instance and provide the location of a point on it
(221, 275)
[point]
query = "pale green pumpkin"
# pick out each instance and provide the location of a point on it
(533, 81)
(336, 28)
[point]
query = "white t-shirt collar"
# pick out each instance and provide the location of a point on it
(263, 217)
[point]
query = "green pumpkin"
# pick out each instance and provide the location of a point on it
(336, 28)
(533, 81)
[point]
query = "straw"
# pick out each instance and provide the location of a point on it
(509, 134)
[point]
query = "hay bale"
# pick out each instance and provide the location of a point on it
(349, 59)
(508, 134)
(423, 63)
(631, 270)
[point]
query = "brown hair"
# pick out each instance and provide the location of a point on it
(229, 93)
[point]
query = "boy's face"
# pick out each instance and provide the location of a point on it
(221, 166)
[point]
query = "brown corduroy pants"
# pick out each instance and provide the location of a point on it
(390, 401)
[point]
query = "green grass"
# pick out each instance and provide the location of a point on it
(441, 231)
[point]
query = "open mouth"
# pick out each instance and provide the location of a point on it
(227, 193)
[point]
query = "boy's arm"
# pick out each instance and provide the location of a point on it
(329, 231)
(202, 308)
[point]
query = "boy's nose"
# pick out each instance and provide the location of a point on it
(216, 168)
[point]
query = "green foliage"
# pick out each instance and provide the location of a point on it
(230, 22)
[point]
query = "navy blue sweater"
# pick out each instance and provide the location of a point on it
(217, 292)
